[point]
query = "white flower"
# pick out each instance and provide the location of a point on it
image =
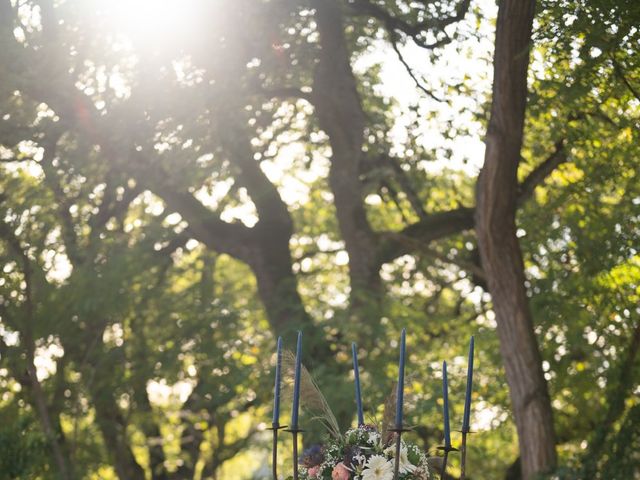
(405, 465)
(378, 468)
(360, 460)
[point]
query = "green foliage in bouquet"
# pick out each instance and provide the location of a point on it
(363, 454)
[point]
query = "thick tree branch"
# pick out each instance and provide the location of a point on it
(231, 238)
(436, 226)
(236, 141)
(264, 247)
(402, 177)
(113, 427)
(112, 208)
(414, 237)
(539, 174)
(620, 73)
(53, 181)
(415, 31)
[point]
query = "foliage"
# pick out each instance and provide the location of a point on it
(170, 202)
(23, 447)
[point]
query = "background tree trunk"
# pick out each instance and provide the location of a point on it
(113, 428)
(338, 108)
(55, 441)
(499, 248)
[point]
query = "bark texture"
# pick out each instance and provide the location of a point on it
(497, 194)
(339, 111)
(619, 388)
(113, 428)
(44, 414)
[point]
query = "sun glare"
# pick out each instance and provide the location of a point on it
(154, 20)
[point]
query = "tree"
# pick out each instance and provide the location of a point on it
(155, 164)
(498, 242)
(109, 347)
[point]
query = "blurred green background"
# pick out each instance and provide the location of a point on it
(177, 188)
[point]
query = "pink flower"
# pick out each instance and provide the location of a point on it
(340, 472)
(313, 471)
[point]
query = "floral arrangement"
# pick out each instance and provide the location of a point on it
(363, 454)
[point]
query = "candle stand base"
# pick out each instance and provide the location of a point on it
(445, 458)
(294, 433)
(274, 458)
(463, 454)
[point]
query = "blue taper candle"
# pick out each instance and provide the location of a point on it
(276, 389)
(467, 399)
(296, 385)
(356, 373)
(400, 391)
(445, 398)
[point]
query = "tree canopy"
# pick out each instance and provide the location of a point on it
(183, 182)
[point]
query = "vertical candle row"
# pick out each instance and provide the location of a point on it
(399, 393)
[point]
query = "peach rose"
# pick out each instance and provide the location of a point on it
(340, 472)
(313, 471)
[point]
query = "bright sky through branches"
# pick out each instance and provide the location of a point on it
(155, 21)
(154, 24)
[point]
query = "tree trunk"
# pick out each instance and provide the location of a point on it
(38, 395)
(339, 111)
(152, 433)
(191, 437)
(498, 243)
(620, 386)
(278, 290)
(109, 417)
(113, 428)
